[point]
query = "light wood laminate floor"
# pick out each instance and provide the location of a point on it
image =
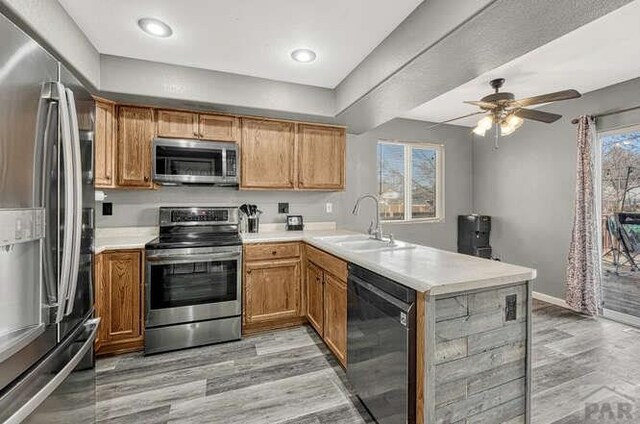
(290, 377)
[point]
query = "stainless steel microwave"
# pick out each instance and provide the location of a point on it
(177, 161)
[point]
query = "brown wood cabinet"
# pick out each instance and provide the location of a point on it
(192, 125)
(219, 127)
(272, 289)
(326, 289)
(135, 136)
(321, 157)
(335, 316)
(267, 154)
(277, 293)
(177, 124)
(314, 283)
(105, 145)
(274, 155)
(118, 301)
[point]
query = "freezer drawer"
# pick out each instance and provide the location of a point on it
(60, 389)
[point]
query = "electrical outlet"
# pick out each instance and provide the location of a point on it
(107, 209)
(510, 309)
(329, 207)
(283, 208)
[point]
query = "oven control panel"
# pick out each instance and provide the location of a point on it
(177, 216)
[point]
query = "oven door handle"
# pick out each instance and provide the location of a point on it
(183, 259)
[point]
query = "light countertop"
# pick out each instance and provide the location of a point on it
(118, 238)
(425, 269)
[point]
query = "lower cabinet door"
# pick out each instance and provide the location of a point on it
(119, 301)
(315, 297)
(335, 316)
(272, 291)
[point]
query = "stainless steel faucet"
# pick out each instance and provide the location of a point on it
(375, 228)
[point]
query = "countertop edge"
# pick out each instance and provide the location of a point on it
(428, 288)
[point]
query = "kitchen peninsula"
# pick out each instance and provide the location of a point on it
(473, 317)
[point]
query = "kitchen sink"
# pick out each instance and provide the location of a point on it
(364, 243)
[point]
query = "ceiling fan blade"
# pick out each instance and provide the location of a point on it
(537, 115)
(546, 98)
(485, 105)
(455, 119)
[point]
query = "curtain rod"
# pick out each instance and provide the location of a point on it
(615, 112)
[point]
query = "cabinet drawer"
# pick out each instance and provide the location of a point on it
(262, 251)
(328, 262)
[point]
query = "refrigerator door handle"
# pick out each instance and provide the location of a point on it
(77, 202)
(34, 402)
(69, 202)
(50, 282)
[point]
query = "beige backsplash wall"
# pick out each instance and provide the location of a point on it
(140, 207)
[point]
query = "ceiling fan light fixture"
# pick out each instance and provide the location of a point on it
(486, 122)
(510, 124)
(483, 125)
(479, 131)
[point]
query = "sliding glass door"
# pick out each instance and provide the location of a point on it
(619, 166)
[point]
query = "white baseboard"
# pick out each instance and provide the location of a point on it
(550, 299)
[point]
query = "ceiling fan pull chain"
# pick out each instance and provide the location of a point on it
(495, 146)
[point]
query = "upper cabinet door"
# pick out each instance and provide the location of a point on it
(104, 145)
(135, 135)
(219, 128)
(177, 124)
(267, 154)
(321, 157)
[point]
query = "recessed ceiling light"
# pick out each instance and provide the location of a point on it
(303, 55)
(155, 27)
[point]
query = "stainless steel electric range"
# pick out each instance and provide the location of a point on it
(193, 279)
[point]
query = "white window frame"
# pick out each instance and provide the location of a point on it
(408, 146)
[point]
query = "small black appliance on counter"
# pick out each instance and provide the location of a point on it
(473, 235)
(295, 223)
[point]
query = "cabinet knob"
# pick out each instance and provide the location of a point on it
(274, 252)
(146, 179)
(108, 177)
(248, 271)
(195, 134)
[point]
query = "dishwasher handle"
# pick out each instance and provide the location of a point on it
(392, 306)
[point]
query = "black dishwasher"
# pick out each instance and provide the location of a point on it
(381, 345)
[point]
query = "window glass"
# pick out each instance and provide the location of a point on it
(423, 183)
(391, 181)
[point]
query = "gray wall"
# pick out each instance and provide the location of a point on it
(151, 79)
(528, 184)
(362, 178)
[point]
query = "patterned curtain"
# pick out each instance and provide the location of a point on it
(584, 277)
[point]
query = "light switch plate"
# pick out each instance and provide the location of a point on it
(329, 207)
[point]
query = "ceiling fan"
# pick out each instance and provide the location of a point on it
(507, 114)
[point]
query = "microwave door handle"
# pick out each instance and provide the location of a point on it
(223, 175)
(77, 201)
(67, 154)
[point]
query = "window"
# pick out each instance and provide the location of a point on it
(410, 182)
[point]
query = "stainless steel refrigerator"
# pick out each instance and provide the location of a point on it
(46, 237)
